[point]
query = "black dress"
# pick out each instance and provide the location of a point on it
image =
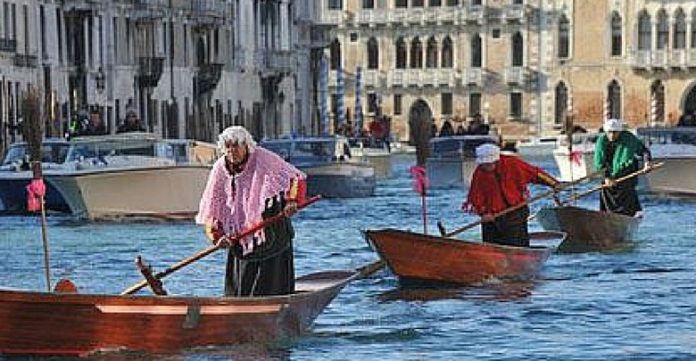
(623, 197)
(269, 269)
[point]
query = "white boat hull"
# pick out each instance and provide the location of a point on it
(341, 180)
(676, 177)
(168, 192)
(449, 172)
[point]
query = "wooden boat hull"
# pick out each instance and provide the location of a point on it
(36, 323)
(588, 230)
(418, 257)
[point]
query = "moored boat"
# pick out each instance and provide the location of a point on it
(589, 230)
(375, 152)
(676, 147)
(537, 149)
(419, 257)
(452, 161)
(578, 162)
(133, 175)
(329, 165)
(40, 323)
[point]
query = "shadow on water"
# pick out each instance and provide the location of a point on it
(411, 291)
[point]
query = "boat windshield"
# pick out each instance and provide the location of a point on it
(100, 149)
(458, 145)
(677, 135)
(304, 151)
(50, 153)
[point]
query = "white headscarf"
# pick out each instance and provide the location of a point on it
(236, 134)
(613, 125)
(487, 153)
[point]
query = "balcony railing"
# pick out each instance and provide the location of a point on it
(331, 17)
(208, 12)
(691, 58)
(474, 77)
(150, 9)
(372, 77)
(641, 59)
(513, 12)
(398, 15)
(679, 59)
(516, 75)
(280, 60)
(8, 45)
(475, 13)
(660, 59)
(397, 77)
(26, 61)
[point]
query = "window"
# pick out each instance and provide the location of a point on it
(518, 2)
(516, 105)
(372, 103)
(417, 3)
(335, 51)
(368, 4)
(616, 35)
(372, 54)
(401, 3)
(644, 31)
(416, 53)
(435, 3)
(517, 49)
(561, 105)
(353, 37)
(657, 98)
(476, 2)
(335, 4)
(474, 104)
(563, 37)
(452, 2)
(397, 104)
(400, 53)
(476, 52)
(662, 30)
(614, 100)
(446, 103)
(679, 41)
(447, 53)
(495, 33)
(431, 53)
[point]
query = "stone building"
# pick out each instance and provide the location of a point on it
(521, 64)
(188, 68)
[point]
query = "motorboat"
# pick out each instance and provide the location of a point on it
(332, 170)
(452, 159)
(133, 175)
(676, 148)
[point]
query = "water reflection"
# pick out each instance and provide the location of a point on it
(494, 291)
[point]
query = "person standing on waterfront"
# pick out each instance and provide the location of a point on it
(617, 151)
(500, 182)
(247, 185)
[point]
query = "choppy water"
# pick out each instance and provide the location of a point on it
(637, 304)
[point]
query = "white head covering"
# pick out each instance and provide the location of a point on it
(487, 153)
(236, 134)
(613, 125)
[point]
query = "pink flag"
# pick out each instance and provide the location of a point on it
(420, 180)
(36, 189)
(576, 157)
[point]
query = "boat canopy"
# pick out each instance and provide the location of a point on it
(300, 151)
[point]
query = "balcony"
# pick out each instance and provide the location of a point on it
(679, 59)
(691, 58)
(280, 60)
(371, 17)
(440, 15)
(26, 61)
(208, 77)
(516, 75)
(81, 5)
(331, 17)
(474, 77)
(397, 77)
(8, 45)
(208, 12)
(513, 13)
(641, 59)
(372, 78)
(149, 71)
(147, 10)
(399, 15)
(475, 13)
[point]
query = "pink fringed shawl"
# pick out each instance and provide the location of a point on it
(264, 176)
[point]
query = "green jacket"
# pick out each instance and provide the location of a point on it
(628, 147)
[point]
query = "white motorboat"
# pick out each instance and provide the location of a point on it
(329, 164)
(676, 148)
(133, 175)
(537, 149)
(577, 161)
(452, 159)
(375, 152)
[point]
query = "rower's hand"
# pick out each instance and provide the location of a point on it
(290, 208)
(223, 242)
(608, 182)
(647, 168)
(487, 218)
(214, 231)
(559, 186)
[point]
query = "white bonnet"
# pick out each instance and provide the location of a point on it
(236, 134)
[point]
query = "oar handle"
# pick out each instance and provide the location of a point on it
(619, 180)
(543, 195)
(222, 243)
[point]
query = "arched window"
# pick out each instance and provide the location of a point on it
(561, 105)
(662, 30)
(657, 102)
(431, 53)
(517, 49)
(447, 53)
(563, 37)
(476, 52)
(400, 53)
(614, 100)
(644, 31)
(416, 53)
(335, 51)
(372, 54)
(679, 41)
(616, 35)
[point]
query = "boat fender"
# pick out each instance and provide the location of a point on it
(65, 286)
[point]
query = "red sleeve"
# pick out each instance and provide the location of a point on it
(533, 174)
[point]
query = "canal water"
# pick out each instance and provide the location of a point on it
(635, 304)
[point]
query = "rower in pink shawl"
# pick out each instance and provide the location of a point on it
(245, 186)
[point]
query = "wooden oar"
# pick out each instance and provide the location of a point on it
(444, 233)
(222, 243)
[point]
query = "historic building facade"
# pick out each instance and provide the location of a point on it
(522, 64)
(188, 68)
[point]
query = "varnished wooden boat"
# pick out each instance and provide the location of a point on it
(40, 323)
(418, 257)
(588, 230)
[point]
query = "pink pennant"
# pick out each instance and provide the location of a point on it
(36, 190)
(420, 180)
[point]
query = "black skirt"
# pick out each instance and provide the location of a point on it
(510, 229)
(269, 269)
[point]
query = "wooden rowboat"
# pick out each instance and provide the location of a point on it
(418, 257)
(40, 323)
(589, 230)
